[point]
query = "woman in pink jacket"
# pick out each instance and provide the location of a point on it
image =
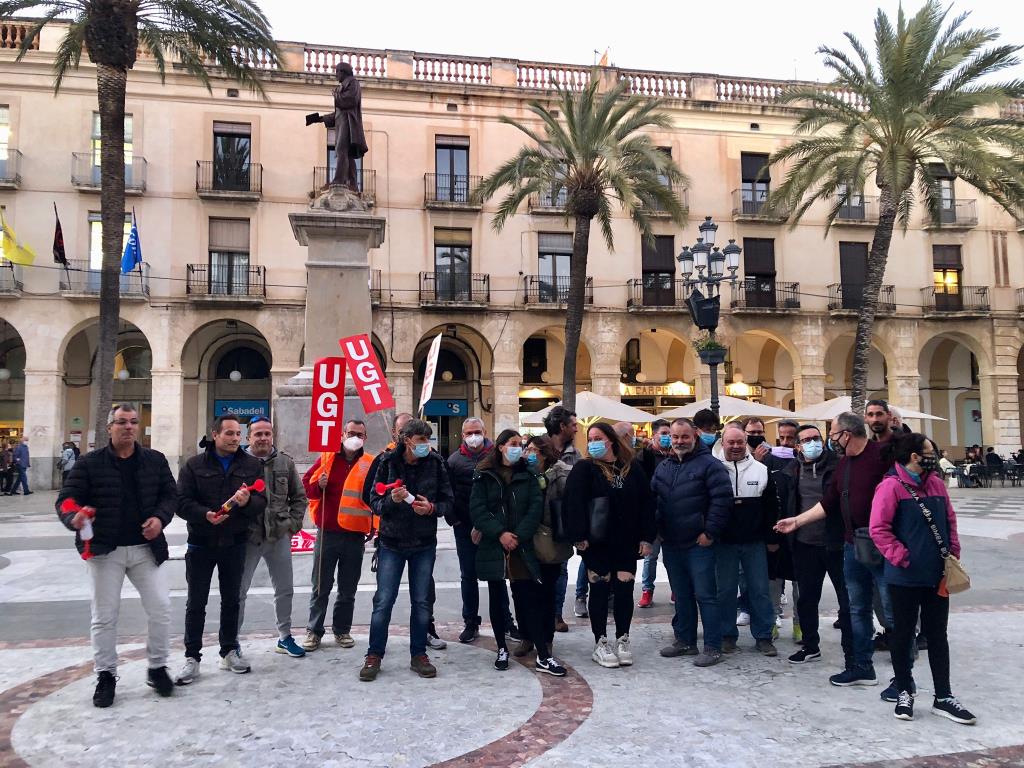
(914, 567)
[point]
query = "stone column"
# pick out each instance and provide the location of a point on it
(506, 399)
(606, 384)
(167, 393)
(905, 390)
(338, 234)
(44, 425)
(809, 388)
(1000, 412)
(401, 381)
(702, 383)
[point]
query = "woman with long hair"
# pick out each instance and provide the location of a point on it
(506, 507)
(610, 515)
(914, 527)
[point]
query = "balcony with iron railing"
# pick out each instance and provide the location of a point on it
(760, 295)
(659, 211)
(10, 168)
(752, 205)
(238, 284)
(656, 292)
(954, 215)
(548, 202)
(454, 289)
(366, 181)
(545, 289)
(86, 175)
(450, 192)
(956, 300)
(857, 210)
(80, 281)
(10, 279)
(229, 181)
(375, 289)
(847, 299)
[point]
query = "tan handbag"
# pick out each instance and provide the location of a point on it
(957, 579)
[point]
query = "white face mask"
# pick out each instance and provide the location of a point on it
(474, 441)
(353, 444)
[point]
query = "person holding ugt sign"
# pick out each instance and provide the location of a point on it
(217, 499)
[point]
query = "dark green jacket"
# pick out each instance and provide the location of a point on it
(495, 509)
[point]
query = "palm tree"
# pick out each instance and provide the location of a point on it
(595, 157)
(232, 34)
(905, 113)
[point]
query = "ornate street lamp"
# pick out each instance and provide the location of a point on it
(704, 266)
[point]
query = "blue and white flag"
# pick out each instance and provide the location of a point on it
(132, 258)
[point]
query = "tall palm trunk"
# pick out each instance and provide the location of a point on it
(111, 84)
(574, 308)
(877, 258)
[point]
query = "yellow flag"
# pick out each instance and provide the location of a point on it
(604, 59)
(13, 250)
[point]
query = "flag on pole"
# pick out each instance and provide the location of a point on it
(59, 255)
(133, 250)
(13, 251)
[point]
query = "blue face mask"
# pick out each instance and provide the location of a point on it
(665, 441)
(532, 459)
(597, 449)
(708, 438)
(514, 453)
(421, 450)
(812, 450)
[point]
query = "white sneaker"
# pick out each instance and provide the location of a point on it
(436, 642)
(235, 662)
(604, 655)
(778, 622)
(189, 673)
(622, 651)
(742, 619)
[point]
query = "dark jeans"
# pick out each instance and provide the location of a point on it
(390, 565)
(533, 609)
(199, 564)
(811, 564)
(560, 587)
(466, 550)
(906, 603)
(691, 575)
(22, 480)
(7, 479)
(582, 585)
(340, 551)
(753, 558)
(860, 583)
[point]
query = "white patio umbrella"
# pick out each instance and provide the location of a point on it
(591, 407)
(730, 408)
(830, 409)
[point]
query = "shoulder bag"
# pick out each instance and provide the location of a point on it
(864, 550)
(955, 577)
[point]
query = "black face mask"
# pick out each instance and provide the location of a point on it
(754, 440)
(928, 464)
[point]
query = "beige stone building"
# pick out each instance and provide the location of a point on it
(215, 319)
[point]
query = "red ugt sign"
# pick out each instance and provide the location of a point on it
(367, 373)
(326, 416)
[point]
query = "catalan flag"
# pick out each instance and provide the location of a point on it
(14, 251)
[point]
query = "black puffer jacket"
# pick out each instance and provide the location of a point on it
(400, 526)
(95, 481)
(694, 497)
(203, 486)
(461, 469)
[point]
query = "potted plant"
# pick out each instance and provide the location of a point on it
(710, 350)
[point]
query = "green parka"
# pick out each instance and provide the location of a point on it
(495, 509)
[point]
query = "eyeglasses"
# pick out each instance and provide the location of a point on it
(125, 422)
(835, 436)
(808, 440)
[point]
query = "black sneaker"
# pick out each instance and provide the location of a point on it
(835, 624)
(892, 694)
(905, 706)
(103, 696)
(470, 633)
(501, 662)
(881, 641)
(159, 679)
(949, 707)
(805, 655)
(922, 642)
(850, 677)
(551, 666)
(512, 633)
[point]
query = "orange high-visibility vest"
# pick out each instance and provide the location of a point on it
(353, 514)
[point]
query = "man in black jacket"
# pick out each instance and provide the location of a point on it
(408, 534)
(217, 538)
(128, 491)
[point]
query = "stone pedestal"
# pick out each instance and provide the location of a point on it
(338, 233)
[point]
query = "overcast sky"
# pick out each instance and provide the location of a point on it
(735, 37)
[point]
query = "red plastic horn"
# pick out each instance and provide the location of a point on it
(259, 486)
(381, 488)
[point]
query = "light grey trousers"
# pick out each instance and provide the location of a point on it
(278, 557)
(150, 581)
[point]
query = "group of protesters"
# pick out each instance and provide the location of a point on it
(732, 519)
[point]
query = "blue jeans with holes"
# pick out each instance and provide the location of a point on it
(691, 575)
(754, 560)
(860, 580)
(390, 565)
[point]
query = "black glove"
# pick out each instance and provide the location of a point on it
(313, 118)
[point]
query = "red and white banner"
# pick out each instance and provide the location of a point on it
(367, 373)
(304, 541)
(326, 413)
(428, 374)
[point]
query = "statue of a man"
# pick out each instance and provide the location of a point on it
(347, 122)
